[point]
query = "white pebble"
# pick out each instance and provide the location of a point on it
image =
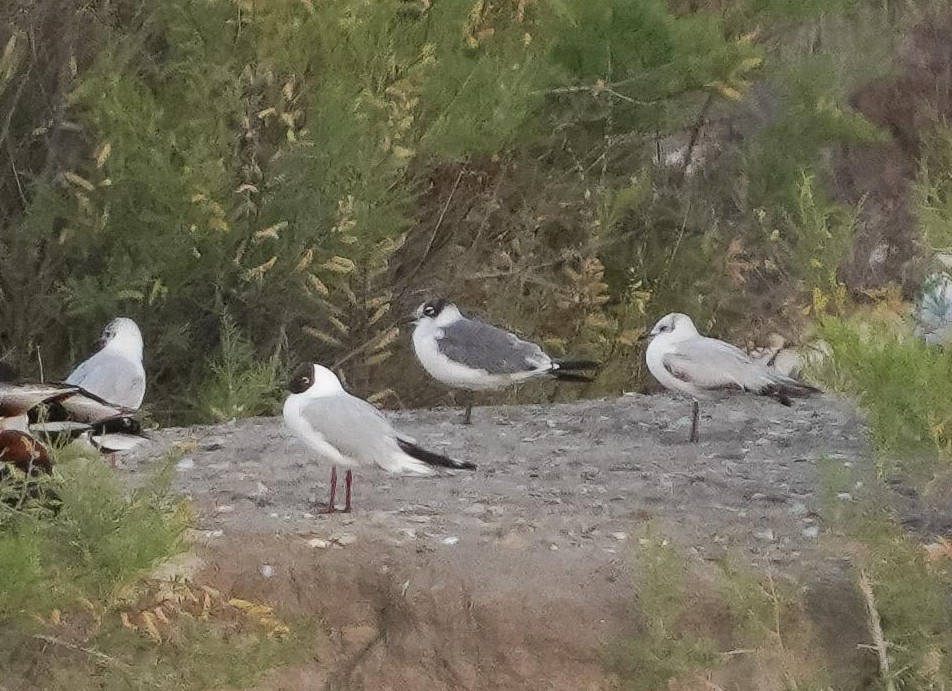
(185, 464)
(812, 531)
(266, 570)
(767, 535)
(344, 539)
(452, 540)
(621, 537)
(318, 543)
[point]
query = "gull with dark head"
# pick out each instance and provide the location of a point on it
(468, 354)
(683, 360)
(115, 373)
(348, 431)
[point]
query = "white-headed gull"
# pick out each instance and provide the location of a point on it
(681, 359)
(115, 373)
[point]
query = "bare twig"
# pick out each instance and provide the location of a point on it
(439, 224)
(102, 657)
(695, 135)
(876, 630)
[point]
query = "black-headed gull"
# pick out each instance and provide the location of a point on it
(464, 353)
(349, 431)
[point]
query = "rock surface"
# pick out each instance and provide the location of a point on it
(516, 575)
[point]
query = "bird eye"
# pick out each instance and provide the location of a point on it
(429, 310)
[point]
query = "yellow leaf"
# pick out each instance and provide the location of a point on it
(305, 260)
(247, 187)
(271, 231)
(148, 620)
(258, 272)
(338, 324)
(378, 358)
(55, 617)
(727, 91)
(386, 339)
(262, 114)
(124, 618)
(323, 337)
(216, 223)
(7, 63)
(160, 614)
(339, 265)
(102, 154)
(318, 285)
(401, 152)
(79, 181)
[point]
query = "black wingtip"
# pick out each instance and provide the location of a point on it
(431, 458)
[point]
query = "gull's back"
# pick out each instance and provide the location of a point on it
(114, 376)
(358, 431)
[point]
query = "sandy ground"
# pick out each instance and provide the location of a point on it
(518, 574)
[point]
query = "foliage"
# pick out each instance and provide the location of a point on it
(662, 652)
(99, 544)
(934, 189)
(239, 385)
(175, 161)
(911, 587)
(78, 610)
(903, 385)
(715, 626)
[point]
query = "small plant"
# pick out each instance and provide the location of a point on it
(99, 543)
(662, 652)
(239, 384)
(903, 385)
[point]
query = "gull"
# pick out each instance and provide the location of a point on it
(464, 353)
(349, 431)
(683, 360)
(115, 373)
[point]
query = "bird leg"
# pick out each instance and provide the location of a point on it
(468, 414)
(348, 481)
(695, 414)
(330, 505)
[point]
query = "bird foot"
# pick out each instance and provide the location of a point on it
(327, 510)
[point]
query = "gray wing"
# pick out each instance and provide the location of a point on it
(485, 347)
(354, 427)
(711, 364)
(112, 377)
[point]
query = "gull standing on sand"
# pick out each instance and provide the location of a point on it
(349, 431)
(115, 373)
(683, 360)
(464, 353)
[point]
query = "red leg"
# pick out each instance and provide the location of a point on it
(112, 460)
(330, 505)
(348, 481)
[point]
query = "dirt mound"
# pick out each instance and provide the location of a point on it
(520, 574)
